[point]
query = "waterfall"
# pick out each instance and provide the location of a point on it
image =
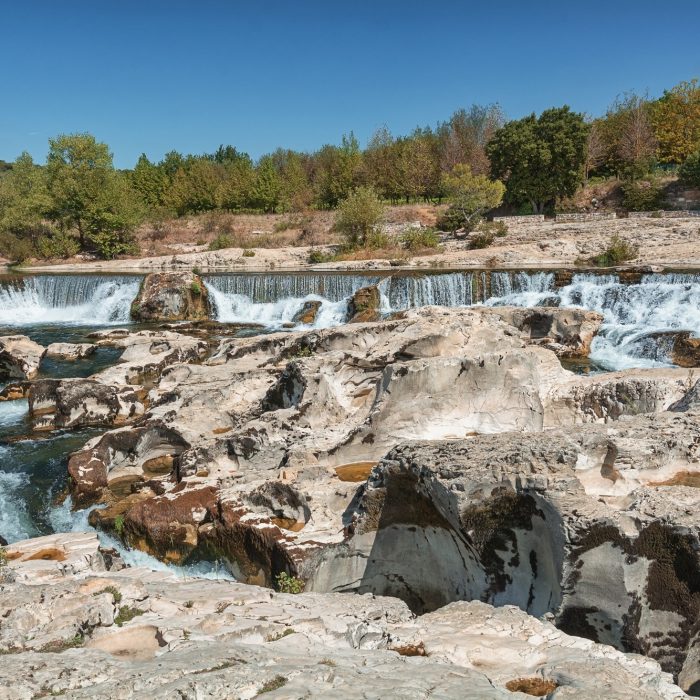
(522, 289)
(405, 292)
(67, 299)
(273, 300)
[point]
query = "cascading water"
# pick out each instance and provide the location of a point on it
(635, 314)
(67, 299)
(274, 300)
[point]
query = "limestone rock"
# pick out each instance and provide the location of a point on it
(20, 357)
(364, 305)
(171, 296)
(72, 403)
(70, 351)
(141, 633)
(568, 332)
(307, 314)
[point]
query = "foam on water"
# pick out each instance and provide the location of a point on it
(15, 523)
(67, 299)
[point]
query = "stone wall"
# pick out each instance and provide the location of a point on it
(663, 214)
(528, 218)
(586, 216)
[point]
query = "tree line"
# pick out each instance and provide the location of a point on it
(78, 200)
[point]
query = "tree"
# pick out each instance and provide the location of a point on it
(150, 181)
(360, 215)
(24, 200)
(266, 186)
(338, 169)
(595, 150)
(463, 139)
(416, 169)
(470, 197)
(689, 172)
(676, 121)
(295, 192)
(236, 187)
(88, 195)
(195, 186)
(637, 143)
(379, 163)
(540, 159)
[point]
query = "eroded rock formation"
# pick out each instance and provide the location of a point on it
(171, 296)
(20, 357)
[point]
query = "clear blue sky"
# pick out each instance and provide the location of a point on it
(156, 75)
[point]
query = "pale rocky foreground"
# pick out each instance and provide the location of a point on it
(61, 635)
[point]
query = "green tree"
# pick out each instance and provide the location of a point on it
(236, 187)
(195, 186)
(689, 172)
(88, 195)
(24, 200)
(296, 193)
(267, 185)
(360, 215)
(338, 169)
(540, 159)
(416, 169)
(150, 181)
(470, 197)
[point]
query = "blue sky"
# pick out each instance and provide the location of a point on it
(151, 76)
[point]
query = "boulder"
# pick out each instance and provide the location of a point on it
(20, 357)
(364, 305)
(171, 296)
(70, 351)
(73, 403)
(307, 314)
(568, 332)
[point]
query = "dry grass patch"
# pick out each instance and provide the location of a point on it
(537, 687)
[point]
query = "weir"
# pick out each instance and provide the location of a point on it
(636, 314)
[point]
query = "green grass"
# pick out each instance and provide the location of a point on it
(126, 614)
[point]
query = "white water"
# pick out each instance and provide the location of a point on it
(15, 523)
(67, 299)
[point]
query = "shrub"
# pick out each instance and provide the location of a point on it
(451, 220)
(498, 228)
(126, 614)
(417, 238)
(58, 245)
(359, 216)
(376, 240)
(16, 249)
(223, 240)
(689, 172)
(641, 195)
(275, 684)
(196, 288)
(482, 239)
(289, 584)
(119, 520)
(317, 256)
(248, 253)
(617, 252)
(113, 591)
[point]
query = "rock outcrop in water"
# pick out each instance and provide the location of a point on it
(70, 351)
(20, 357)
(73, 627)
(171, 296)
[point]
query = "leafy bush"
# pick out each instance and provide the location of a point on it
(482, 239)
(119, 520)
(58, 245)
(16, 249)
(451, 220)
(641, 195)
(289, 584)
(248, 253)
(317, 256)
(689, 172)
(196, 288)
(417, 238)
(617, 252)
(498, 228)
(359, 216)
(126, 614)
(376, 240)
(223, 240)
